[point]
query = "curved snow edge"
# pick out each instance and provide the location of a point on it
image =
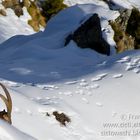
(9, 132)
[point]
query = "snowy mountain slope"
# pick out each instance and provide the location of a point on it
(90, 101)
(43, 76)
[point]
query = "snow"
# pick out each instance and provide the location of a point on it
(11, 25)
(47, 49)
(11, 133)
(43, 76)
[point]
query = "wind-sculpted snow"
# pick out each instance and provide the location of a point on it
(42, 57)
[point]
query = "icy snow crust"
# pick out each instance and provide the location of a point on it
(44, 76)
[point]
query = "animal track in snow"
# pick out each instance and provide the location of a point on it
(117, 76)
(99, 77)
(94, 86)
(124, 59)
(99, 104)
(48, 87)
(80, 91)
(85, 100)
(134, 65)
(83, 84)
(129, 67)
(136, 60)
(71, 82)
(102, 64)
(68, 93)
(137, 70)
(96, 79)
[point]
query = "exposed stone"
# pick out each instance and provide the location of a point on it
(3, 12)
(89, 35)
(133, 27)
(8, 3)
(37, 19)
(123, 40)
(15, 5)
(122, 20)
(18, 10)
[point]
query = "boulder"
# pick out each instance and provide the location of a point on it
(124, 41)
(89, 35)
(133, 26)
(127, 30)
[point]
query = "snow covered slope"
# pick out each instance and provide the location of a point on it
(95, 91)
(25, 55)
(106, 95)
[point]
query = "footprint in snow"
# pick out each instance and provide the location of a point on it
(128, 58)
(136, 60)
(68, 93)
(102, 64)
(83, 84)
(129, 67)
(117, 76)
(99, 104)
(48, 87)
(94, 86)
(71, 82)
(85, 100)
(96, 79)
(136, 70)
(99, 77)
(124, 59)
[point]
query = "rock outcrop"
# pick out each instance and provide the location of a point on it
(89, 35)
(127, 30)
(133, 27)
(36, 10)
(123, 40)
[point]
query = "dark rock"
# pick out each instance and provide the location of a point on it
(123, 19)
(133, 26)
(18, 10)
(127, 30)
(124, 41)
(3, 12)
(89, 35)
